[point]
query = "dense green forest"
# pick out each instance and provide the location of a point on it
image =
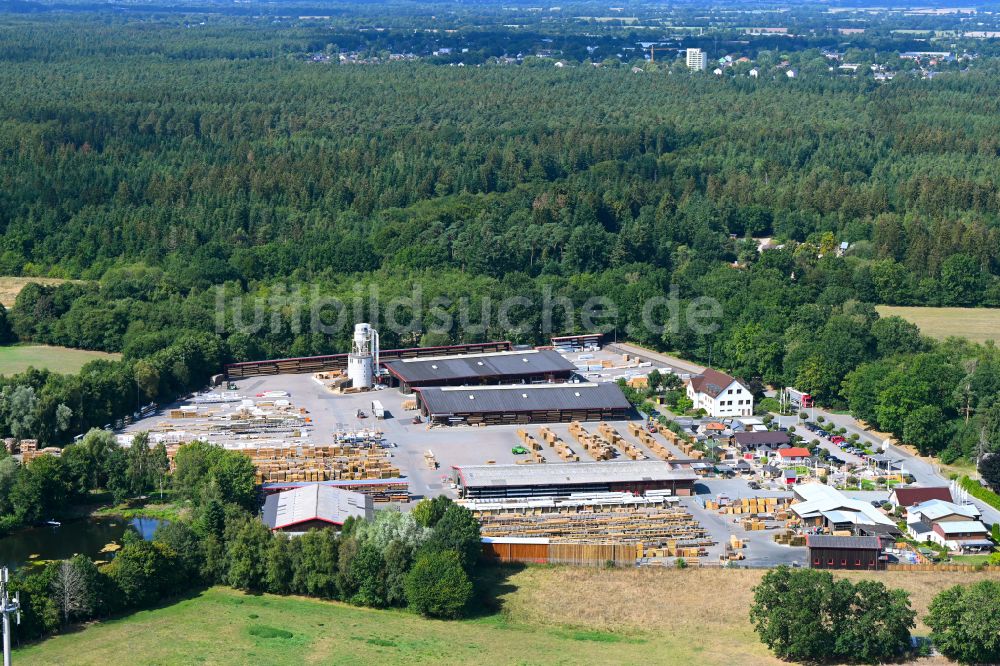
(157, 163)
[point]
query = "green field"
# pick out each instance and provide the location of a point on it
(18, 358)
(539, 615)
(976, 324)
(222, 626)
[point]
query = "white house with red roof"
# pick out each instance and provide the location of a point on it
(794, 455)
(719, 394)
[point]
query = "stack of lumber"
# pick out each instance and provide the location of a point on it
(321, 463)
(682, 443)
(660, 525)
(596, 446)
(790, 538)
(558, 444)
(29, 450)
(752, 506)
(650, 442)
(611, 435)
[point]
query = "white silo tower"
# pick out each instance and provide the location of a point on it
(363, 359)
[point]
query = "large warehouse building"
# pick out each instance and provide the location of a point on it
(504, 367)
(540, 403)
(563, 479)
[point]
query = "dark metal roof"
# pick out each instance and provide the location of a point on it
(507, 399)
(851, 542)
(877, 530)
(762, 438)
(475, 366)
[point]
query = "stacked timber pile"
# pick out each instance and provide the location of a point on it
(596, 446)
(617, 517)
(650, 442)
(556, 442)
(790, 538)
(673, 548)
(29, 450)
(533, 446)
(682, 443)
(611, 435)
(776, 506)
(321, 463)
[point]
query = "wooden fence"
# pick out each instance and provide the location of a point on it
(962, 568)
(581, 554)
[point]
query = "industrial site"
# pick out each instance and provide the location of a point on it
(546, 450)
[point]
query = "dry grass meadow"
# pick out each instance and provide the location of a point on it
(10, 287)
(975, 324)
(685, 601)
(540, 615)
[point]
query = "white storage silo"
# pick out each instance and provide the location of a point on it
(363, 359)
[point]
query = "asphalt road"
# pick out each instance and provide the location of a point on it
(923, 472)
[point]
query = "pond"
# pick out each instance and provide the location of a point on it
(87, 536)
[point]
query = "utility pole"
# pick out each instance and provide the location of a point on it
(8, 606)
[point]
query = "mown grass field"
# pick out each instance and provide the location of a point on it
(976, 324)
(10, 287)
(540, 615)
(17, 358)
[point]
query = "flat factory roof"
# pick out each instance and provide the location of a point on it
(315, 502)
(522, 398)
(554, 474)
(475, 366)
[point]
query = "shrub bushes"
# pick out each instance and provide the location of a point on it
(965, 623)
(437, 585)
(805, 615)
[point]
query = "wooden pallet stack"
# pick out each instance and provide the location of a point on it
(752, 506)
(663, 526)
(29, 450)
(684, 444)
(672, 550)
(556, 442)
(650, 442)
(596, 446)
(321, 463)
(610, 434)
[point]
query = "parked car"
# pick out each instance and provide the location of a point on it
(838, 439)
